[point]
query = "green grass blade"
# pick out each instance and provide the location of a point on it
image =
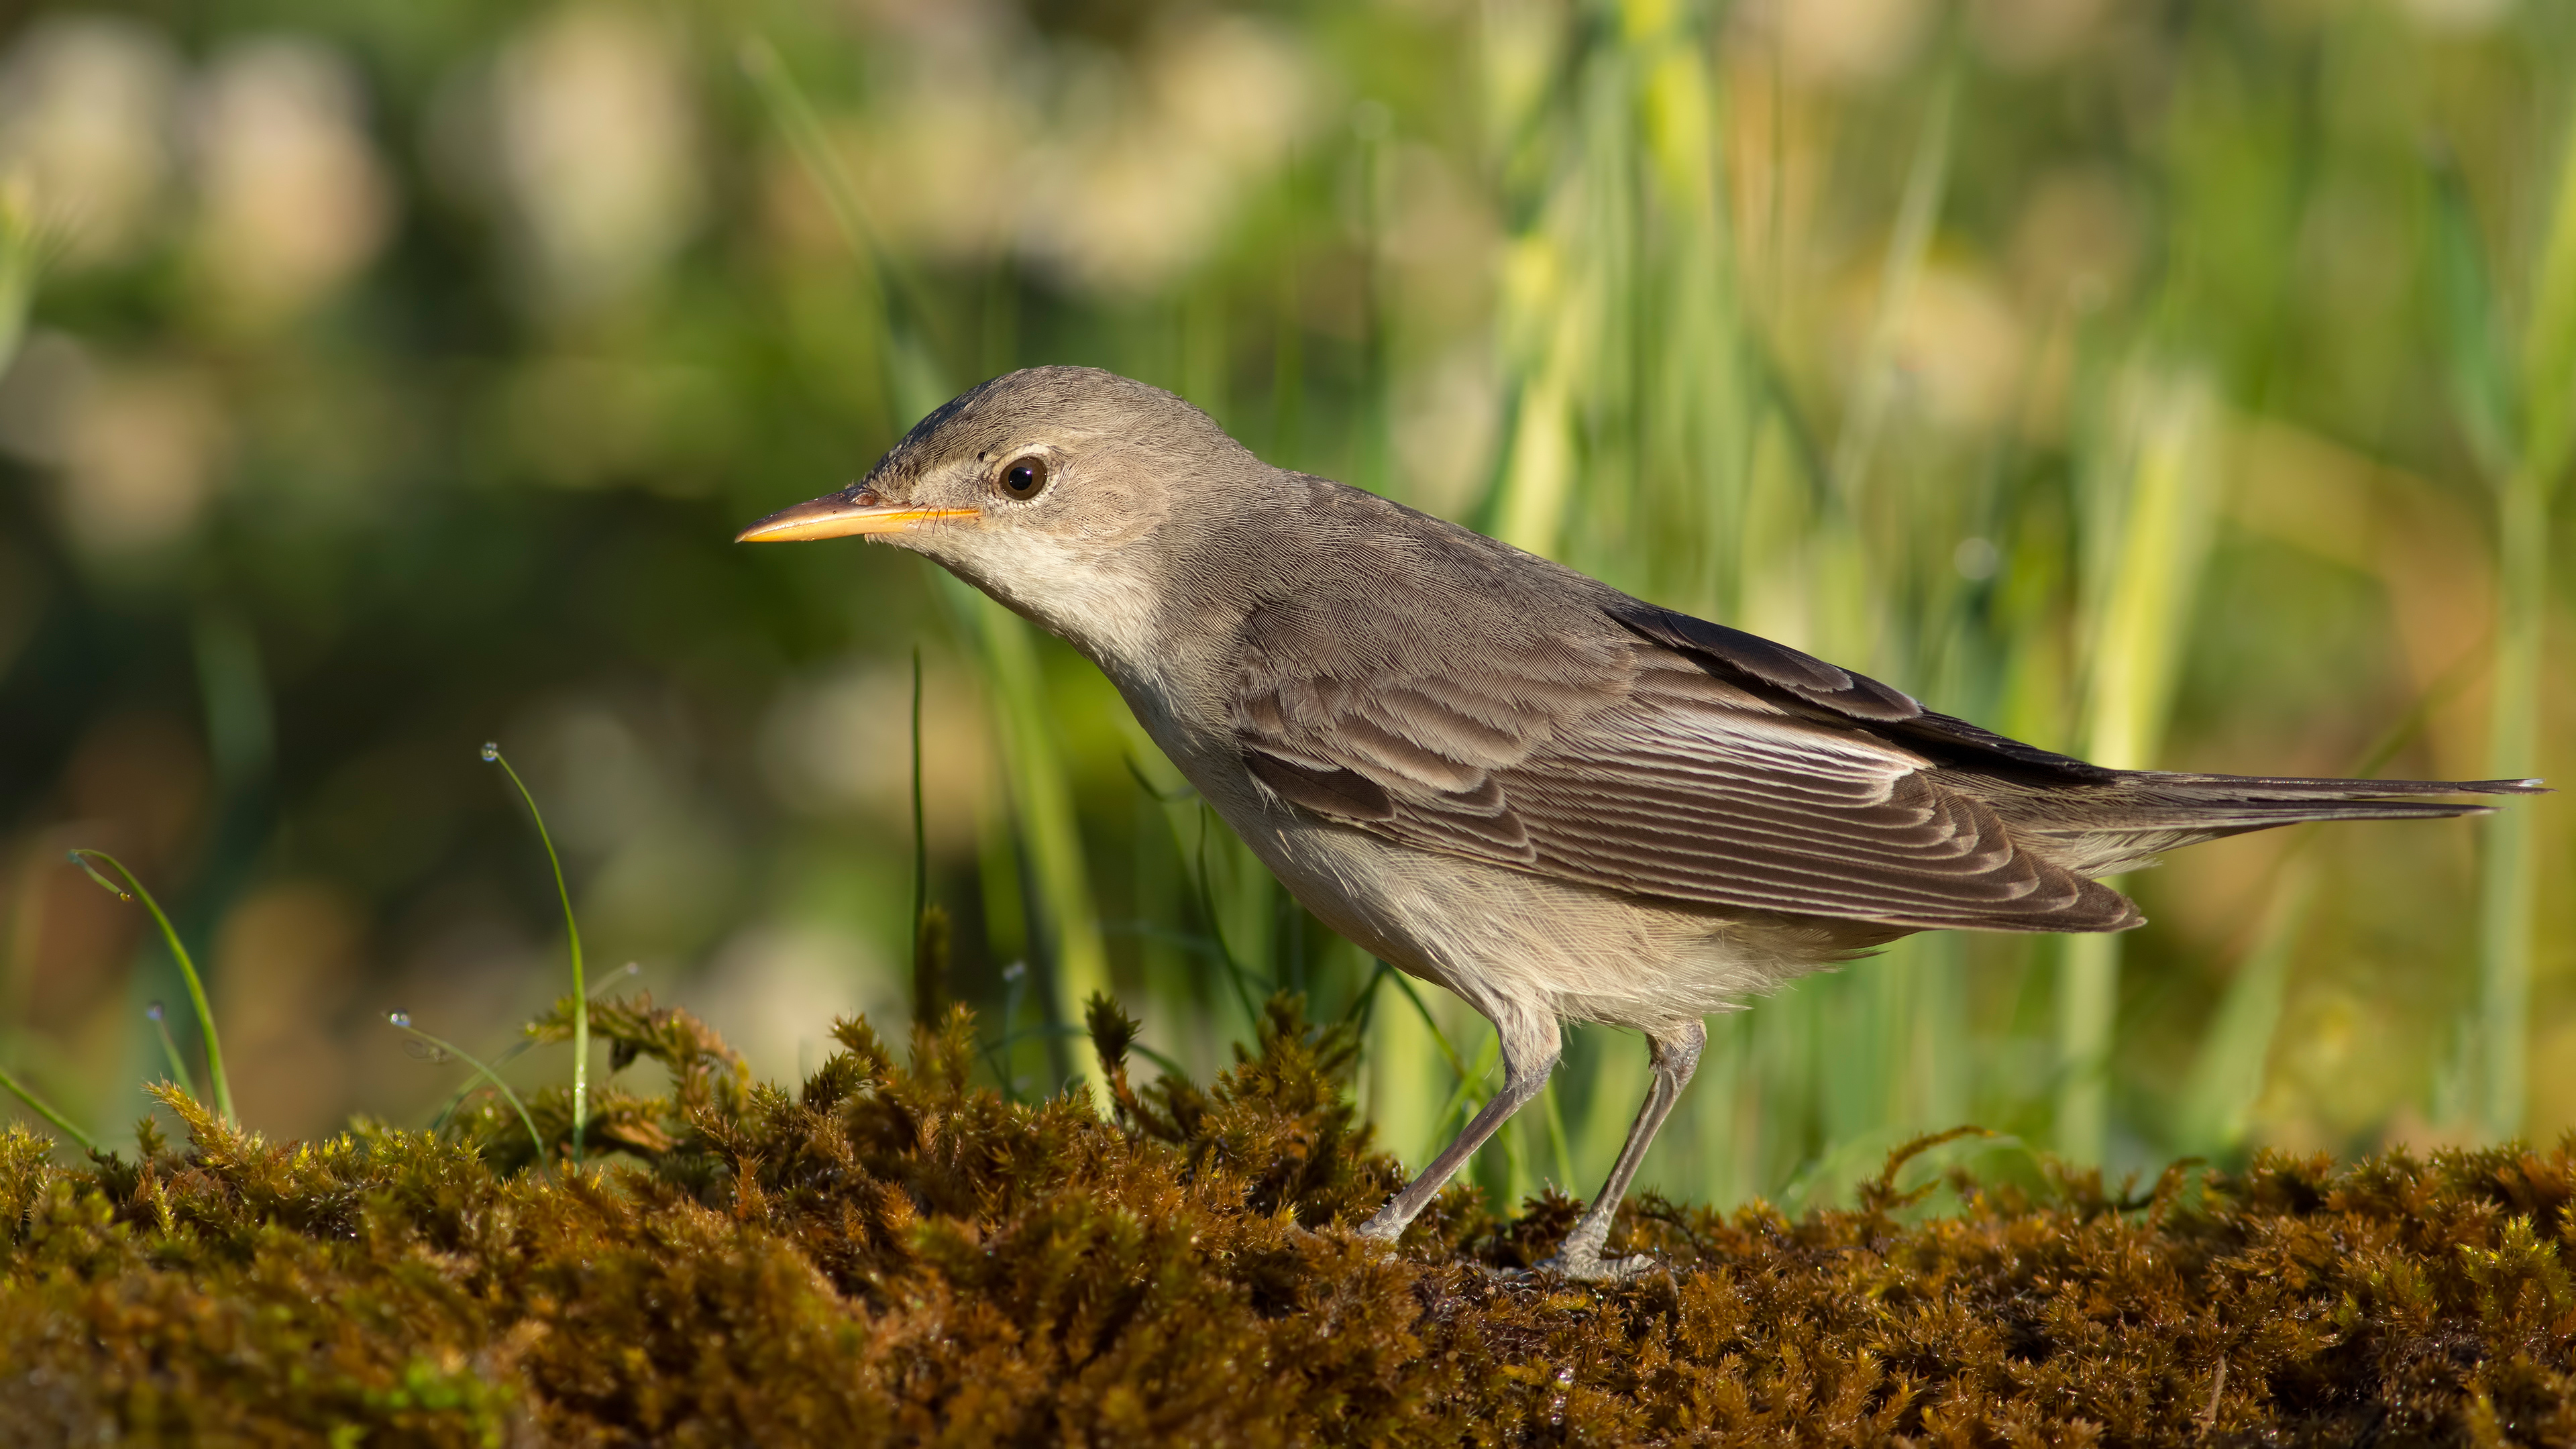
(524, 1045)
(1040, 786)
(401, 1021)
(2227, 1078)
(1614, 1087)
(44, 1109)
(929, 936)
(170, 1056)
(572, 936)
(2473, 361)
(24, 242)
(133, 890)
(2156, 505)
(2549, 333)
(1909, 243)
(793, 112)
(1455, 1109)
(2509, 888)
(1042, 792)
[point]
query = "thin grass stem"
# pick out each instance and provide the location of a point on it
(1909, 243)
(1557, 1144)
(2152, 521)
(928, 991)
(524, 1045)
(2509, 880)
(1235, 971)
(572, 935)
(793, 112)
(401, 1021)
(920, 830)
(2227, 1079)
(44, 1109)
(170, 1048)
(1468, 1081)
(187, 969)
(1448, 1050)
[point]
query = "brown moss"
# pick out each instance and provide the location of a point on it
(893, 1253)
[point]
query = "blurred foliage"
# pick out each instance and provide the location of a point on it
(893, 1254)
(2153, 378)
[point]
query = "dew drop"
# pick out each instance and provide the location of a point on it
(491, 752)
(152, 1012)
(399, 1018)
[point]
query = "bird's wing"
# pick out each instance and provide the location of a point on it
(1786, 677)
(1643, 768)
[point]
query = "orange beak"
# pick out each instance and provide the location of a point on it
(841, 515)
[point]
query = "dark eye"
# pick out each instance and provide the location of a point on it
(1024, 477)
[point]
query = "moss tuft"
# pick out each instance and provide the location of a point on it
(893, 1253)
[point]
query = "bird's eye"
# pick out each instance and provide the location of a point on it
(1024, 477)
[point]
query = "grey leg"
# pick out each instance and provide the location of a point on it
(1675, 1056)
(1529, 1054)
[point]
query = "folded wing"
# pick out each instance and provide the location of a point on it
(1641, 767)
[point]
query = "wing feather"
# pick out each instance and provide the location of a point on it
(1647, 768)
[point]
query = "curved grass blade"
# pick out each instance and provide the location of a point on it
(572, 936)
(401, 1021)
(42, 1108)
(524, 1044)
(170, 1048)
(133, 890)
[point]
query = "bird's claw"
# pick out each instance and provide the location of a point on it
(1593, 1268)
(1380, 1229)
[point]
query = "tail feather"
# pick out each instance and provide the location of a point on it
(2120, 824)
(2146, 800)
(2309, 787)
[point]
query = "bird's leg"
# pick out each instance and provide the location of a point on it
(1529, 1054)
(1675, 1057)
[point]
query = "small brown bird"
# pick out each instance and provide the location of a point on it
(1501, 775)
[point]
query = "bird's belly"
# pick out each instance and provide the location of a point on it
(1513, 943)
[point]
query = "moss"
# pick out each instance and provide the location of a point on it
(893, 1253)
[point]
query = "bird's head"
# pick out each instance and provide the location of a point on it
(1061, 491)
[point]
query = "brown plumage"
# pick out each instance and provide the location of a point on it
(1507, 777)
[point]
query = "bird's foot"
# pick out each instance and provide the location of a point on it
(1384, 1227)
(1588, 1266)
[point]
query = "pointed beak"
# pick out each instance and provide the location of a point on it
(840, 515)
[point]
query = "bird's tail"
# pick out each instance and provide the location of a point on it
(2254, 802)
(2121, 823)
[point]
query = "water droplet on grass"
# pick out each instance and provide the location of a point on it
(152, 1012)
(491, 752)
(399, 1018)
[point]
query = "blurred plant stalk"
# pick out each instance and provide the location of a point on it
(2217, 1109)
(580, 1002)
(133, 890)
(908, 335)
(46, 1110)
(2515, 403)
(2528, 468)
(22, 253)
(2147, 539)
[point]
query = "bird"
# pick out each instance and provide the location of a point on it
(1503, 776)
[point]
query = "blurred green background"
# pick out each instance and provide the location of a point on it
(2179, 384)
